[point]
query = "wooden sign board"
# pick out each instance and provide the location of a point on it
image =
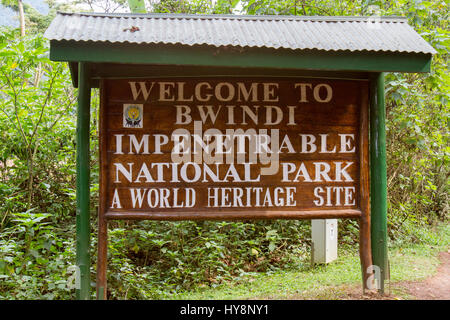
(233, 148)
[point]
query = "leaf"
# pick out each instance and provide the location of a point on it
(35, 253)
(21, 46)
(7, 53)
(272, 246)
(48, 244)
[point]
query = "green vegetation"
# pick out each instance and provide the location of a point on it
(409, 263)
(151, 260)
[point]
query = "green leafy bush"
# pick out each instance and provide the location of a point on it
(35, 259)
(181, 255)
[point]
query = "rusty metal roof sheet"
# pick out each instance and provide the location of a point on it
(379, 34)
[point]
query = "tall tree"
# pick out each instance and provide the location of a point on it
(35, 94)
(17, 5)
(21, 18)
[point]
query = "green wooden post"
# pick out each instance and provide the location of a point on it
(83, 286)
(378, 181)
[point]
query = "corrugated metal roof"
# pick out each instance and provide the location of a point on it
(383, 34)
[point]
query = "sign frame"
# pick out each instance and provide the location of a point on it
(362, 213)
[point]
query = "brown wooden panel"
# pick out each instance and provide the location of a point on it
(321, 129)
(290, 198)
(137, 171)
(297, 137)
(230, 215)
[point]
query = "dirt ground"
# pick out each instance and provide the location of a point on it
(433, 288)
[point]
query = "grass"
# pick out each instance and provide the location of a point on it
(407, 263)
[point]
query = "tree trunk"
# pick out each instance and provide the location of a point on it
(22, 18)
(30, 162)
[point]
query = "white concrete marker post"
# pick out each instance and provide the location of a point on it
(324, 238)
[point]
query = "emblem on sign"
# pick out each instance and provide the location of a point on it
(132, 115)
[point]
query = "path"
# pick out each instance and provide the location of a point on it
(436, 287)
(433, 288)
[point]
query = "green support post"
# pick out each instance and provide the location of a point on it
(83, 283)
(378, 179)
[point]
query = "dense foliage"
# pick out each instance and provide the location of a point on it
(151, 259)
